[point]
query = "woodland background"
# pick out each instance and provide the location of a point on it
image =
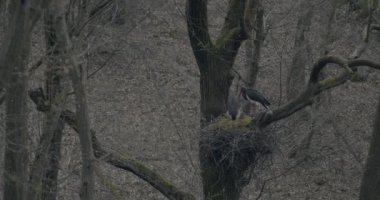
(142, 86)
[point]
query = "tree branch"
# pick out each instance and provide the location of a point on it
(233, 32)
(121, 162)
(314, 87)
(196, 15)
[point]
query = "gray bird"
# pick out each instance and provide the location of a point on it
(253, 96)
(233, 107)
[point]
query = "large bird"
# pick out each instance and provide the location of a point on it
(254, 96)
(233, 107)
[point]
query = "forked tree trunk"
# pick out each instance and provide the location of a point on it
(215, 61)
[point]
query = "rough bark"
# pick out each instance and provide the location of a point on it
(296, 75)
(370, 185)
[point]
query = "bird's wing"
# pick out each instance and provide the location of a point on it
(257, 96)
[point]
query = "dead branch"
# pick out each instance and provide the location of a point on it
(314, 87)
(119, 161)
(230, 38)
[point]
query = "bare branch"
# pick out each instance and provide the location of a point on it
(122, 162)
(314, 87)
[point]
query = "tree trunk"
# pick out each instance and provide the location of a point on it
(13, 62)
(215, 61)
(87, 191)
(253, 45)
(44, 171)
(296, 75)
(50, 179)
(370, 185)
(215, 82)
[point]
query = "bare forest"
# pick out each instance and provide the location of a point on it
(189, 99)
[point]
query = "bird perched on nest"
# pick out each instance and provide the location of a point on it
(233, 107)
(255, 97)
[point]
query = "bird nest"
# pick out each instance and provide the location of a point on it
(237, 146)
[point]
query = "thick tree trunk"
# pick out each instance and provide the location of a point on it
(215, 62)
(371, 179)
(13, 64)
(214, 85)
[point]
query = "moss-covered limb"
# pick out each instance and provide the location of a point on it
(233, 32)
(108, 183)
(142, 171)
(322, 63)
(303, 100)
(314, 88)
(128, 164)
(196, 15)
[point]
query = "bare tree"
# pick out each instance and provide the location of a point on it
(87, 176)
(215, 61)
(226, 155)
